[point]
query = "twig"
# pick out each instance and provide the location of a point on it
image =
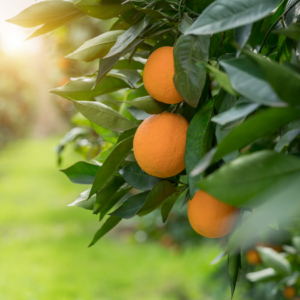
(175, 108)
(274, 24)
(221, 42)
(271, 50)
(179, 10)
(191, 11)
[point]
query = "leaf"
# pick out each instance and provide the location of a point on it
(97, 47)
(83, 201)
(106, 192)
(169, 203)
(138, 113)
(185, 23)
(278, 77)
(285, 140)
(198, 141)
(222, 79)
(155, 14)
(223, 15)
(43, 12)
(292, 32)
(82, 172)
(106, 134)
(129, 65)
(126, 134)
(186, 199)
(81, 88)
(240, 110)
(105, 9)
(157, 196)
(263, 275)
(109, 224)
(104, 116)
(125, 39)
(137, 178)
(246, 78)
(241, 35)
(249, 174)
(111, 164)
(149, 105)
(270, 258)
(114, 200)
(233, 267)
(131, 206)
(189, 78)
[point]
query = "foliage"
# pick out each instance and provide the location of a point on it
(243, 140)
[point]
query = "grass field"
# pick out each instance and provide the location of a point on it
(44, 251)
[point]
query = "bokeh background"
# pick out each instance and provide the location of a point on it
(43, 242)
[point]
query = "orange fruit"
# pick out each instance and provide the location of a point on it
(158, 76)
(289, 292)
(252, 257)
(159, 144)
(210, 217)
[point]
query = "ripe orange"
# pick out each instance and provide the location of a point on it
(159, 144)
(289, 292)
(210, 217)
(158, 76)
(252, 257)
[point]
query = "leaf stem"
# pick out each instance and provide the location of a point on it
(275, 23)
(179, 10)
(175, 108)
(191, 11)
(221, 42)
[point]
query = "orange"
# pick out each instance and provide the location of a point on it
(288, 292)
(210, 217)
(158, 76)
(159, 144)
(252, 257)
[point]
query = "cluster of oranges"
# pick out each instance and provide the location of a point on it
(159, 147)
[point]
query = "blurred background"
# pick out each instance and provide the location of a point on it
(43, 242)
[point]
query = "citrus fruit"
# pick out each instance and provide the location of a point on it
(252, 257)
(158, 76)
(210, 217)
(288, 292)
(159, 144)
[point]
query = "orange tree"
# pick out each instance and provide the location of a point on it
(235, 76)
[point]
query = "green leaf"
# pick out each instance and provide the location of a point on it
(82, 172)
(270, 258)
(185, 23)
(292, 32)
(125, 39)
(221, 78)
(189, 78)
(247, 79)
(126, 134)
(84, 201)
(111, 164)
(97, 47)
(286, 139)
(114, 200)
(138, 113)
(157, 196)
(44, 12)
(155, 14)
(149, 105)
(198, 141)
(222, 15)
(81, 88)
(106, 134)
(241, 35)
(131, 206)
(263, 275)
(104, 116)
(137, 178)
(250, 175)
(129, 65)
(109, 224)
(240, 110)
(198, 6)
(296, 243)
(106, 192)
(285, 82)
(233, 267)
(104, 9)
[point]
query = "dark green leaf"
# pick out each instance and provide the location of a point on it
(105, 9)
(233, 267)
(186, 199)
(126, 134)
(129, 65)
(198, 141)
(82, 172)
(138, 113)
(157, 196)
(104, 116)
(198, 6)
(185, 23)
(97, 47)
(286, 139)
(131, 206)
(137, 178)
(222, 15)
(292, 32)
(247, 79)
(109, 224)
(189, 76)
(241, 35)
(111, 164)
(83, 201)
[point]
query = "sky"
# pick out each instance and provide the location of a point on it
(12, 36)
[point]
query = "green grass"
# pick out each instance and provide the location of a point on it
(44, 251)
